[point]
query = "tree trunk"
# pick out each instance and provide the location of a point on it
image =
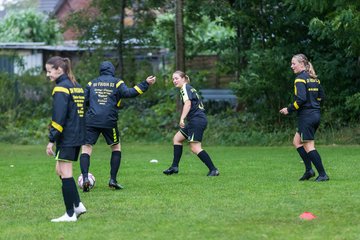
(179, 36)
(121, 37)
(240, 40)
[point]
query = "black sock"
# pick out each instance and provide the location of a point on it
(68, 195)
(115, 163)
(75, 193)
(316, 160)
(304, 156)
(205, 158)
(84, 164)
(177, 155)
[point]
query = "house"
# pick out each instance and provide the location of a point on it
(61, 9)
(17, 58)
(34, 53)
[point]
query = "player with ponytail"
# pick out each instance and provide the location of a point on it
(308, 96)
(192, 125)
(67, 130)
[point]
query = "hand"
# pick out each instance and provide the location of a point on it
(284, 111)
(182, 123)
(151, 80)
(49, 149)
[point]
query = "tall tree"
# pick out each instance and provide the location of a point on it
(120, 27)
(241, 40)
(121, 37)
(327, 32)
(179, 36)
(338, 28)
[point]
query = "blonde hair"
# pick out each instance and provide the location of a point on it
(182, 75)
(301, 58)
(64, 64)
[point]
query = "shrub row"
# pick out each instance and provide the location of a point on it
(26, 111)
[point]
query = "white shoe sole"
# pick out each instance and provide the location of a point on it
(65, 218)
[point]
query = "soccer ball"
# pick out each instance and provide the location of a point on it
(91, 178)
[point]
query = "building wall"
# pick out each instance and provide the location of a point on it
(31, 60)
(70, 6)
(6, 64)
(21, 60)
(65, 9)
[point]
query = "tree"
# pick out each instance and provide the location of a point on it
(339, 29)
(203, 36)
(328, 34)
(121, 36)
(102, 26)
(237, 15)
(269, 32)
(261, 37)
(179, 36)
(340, 24)
(29, 26)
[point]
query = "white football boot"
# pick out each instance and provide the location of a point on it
(80, 209)
(65, 218)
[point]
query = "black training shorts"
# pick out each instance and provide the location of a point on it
(194, 129)
(111, 135)
(67, 153)
(307, 125)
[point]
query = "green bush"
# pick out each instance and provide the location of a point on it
(153, 117)
(25, 103)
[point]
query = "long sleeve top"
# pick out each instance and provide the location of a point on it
(67, 126)
(308, 93)
(103, 96)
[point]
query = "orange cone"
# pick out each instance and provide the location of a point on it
(307, 216)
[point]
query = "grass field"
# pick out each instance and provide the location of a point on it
(256, 196)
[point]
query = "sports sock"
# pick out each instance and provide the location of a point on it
(178, 149)
(68, 195)
(205, 158)
(75, 193)
(84, 164)
(316, 160)
(115, 163)
(304, 156)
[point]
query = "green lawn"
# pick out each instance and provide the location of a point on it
(256, 196)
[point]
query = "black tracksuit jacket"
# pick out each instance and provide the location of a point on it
(103, 96)
(67, 127)
(308, 94)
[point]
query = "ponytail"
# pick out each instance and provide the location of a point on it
(69, 70)
(187, 78)
(311, 71)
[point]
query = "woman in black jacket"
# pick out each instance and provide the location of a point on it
(308, 95)
(66, 131)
